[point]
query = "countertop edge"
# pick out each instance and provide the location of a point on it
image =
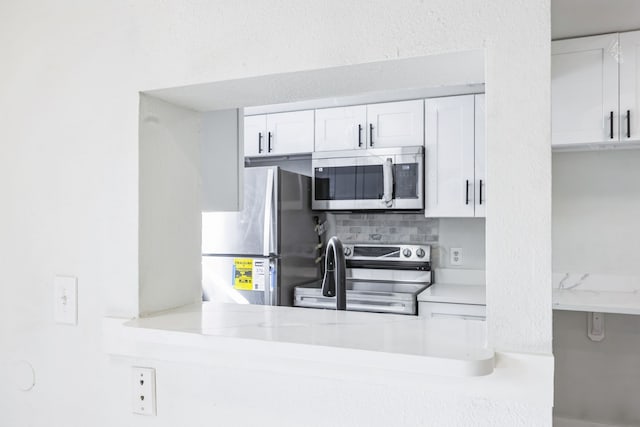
(596, 301)
(120, 339)
(468, 294)
(590, 308)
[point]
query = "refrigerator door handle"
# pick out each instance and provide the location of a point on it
(268, 204)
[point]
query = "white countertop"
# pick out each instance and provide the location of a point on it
(406, 343)
(596, 301)
(603, 293)
(454, 294)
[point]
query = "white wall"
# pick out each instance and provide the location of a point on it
(169, 224)
(597, 381)
(221, 160)
(596, 206)
(70, 80)
(467, 234)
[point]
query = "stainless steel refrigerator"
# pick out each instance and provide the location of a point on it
(259, 254)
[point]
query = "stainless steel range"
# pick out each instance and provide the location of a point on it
(380, 278)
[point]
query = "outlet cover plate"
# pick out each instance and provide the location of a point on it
(144, 391)
(65, 289)
(456, 256)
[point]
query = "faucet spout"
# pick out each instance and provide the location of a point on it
(334, 282)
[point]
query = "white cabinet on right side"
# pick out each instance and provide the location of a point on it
(455, 157)
(630, 86)
(595, 89)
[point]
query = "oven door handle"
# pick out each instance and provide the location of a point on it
(387, 182)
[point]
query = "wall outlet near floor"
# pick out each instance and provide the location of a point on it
(65, 294)
(455, 256)
(144, 391)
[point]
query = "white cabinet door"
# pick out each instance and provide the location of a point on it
(449, 156)
(480, 155)
(630, 86)
(341, 128)
(395, 124)
(290, 133)
(255, 134)
(584, 90)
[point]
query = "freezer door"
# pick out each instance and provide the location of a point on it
(297, 238)
(250, 231)
(238, 280)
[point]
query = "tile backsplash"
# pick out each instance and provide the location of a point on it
(440, 233)
(384, 228)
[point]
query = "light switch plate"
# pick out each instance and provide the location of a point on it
(456, 256)
(65, 308)
(144, 391)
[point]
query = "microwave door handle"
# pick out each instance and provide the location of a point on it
(268, 203)
(387, 183)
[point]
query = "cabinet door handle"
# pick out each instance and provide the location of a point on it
(259, 142)
(611, 125)
(359, 135)
(480, 196)
(370, 134)
(466, 190)
(628, 123)
(268, 142)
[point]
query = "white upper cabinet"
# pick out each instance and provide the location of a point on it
(395, 124)
(384, 125)
(255, 132)
(584, 90)
(341, 128)
(480, 157)
(278, 134)
(450, 157)
(630, 86)
(290, 133)
(595, 90)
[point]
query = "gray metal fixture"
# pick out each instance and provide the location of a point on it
(372, 179)
(258, 255)
(334, 283)
(383, 278)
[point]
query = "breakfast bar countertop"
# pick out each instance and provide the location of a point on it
(410, 344)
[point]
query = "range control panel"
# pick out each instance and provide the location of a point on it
(368, 252)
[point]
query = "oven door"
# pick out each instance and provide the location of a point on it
(368, 180)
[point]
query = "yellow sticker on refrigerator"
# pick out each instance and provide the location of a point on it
(243, 274)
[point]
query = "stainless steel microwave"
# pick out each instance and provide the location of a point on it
(373, 179)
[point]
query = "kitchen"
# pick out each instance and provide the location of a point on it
(372, 199)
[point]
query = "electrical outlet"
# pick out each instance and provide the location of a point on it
(144, 391)
(455, 256)
(65, 290)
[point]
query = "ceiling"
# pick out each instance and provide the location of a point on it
(574, 18)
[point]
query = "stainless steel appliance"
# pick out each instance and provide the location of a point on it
(258, 255)
(380, 278)
(373, 179)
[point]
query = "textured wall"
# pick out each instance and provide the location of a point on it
(70, 76)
